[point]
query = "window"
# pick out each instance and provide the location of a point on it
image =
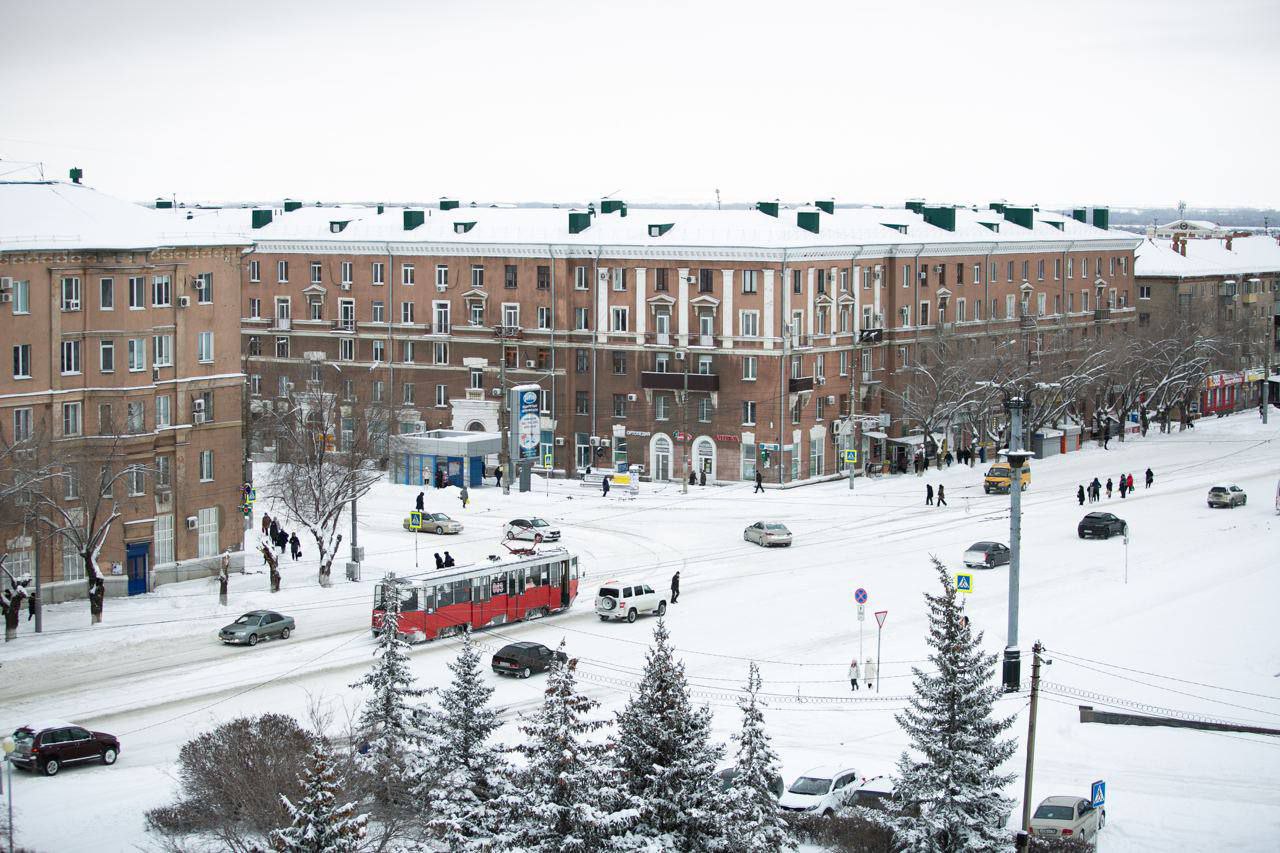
(379, 351)
(1040, 269)
(407, 275)
(107, 356)
(509, 276)
(21, 424)
(204, 288)
(544, 278)
(70, 357)
(619, 405)
(162, 412)
(72, 562)
(906, 277)
(204, 347)
(1026, 270)
(475, 312)
(440, 353)
(22, 297)
(704, 410)
(1084, 300)
(1144, 319)
(904, 357)
(442, 275)
(662, 407)
(749, 322)
(660, 279)
(442, 396)
(379, 272)
(580, 360)
(618, 319)
(315, 308)
(282, 347)
(706, 281)
(316, 272)
(1040, 300)
(1144, 291)
(1008, 306)
(347, 349)
(750, 281)
(207, 527)
(619, 363)
(106, 294)
(346, 272)
(977, 273)
(1071, 267)
(406, 312)
(748, 412)
(406, 352)
(162, 351)
(797, 285)
(960, 314)
(579, 278)
(407, 394)
(1009, 272)
(476, 378)
(662, 362)
(619, 278)
(106, 424)
(581, 405)
(255, 271)
(704, 365)
(255, 308)
(1111, 267)
(22, 361)
(959, 273)
(164, 537)
(1084, 267)
(924, 313)
(71, 419)
(161, 291)
(511, 314)
(477, 276)
(1071, 303)
(544, 317)
(70, 293)
(581, 319)
(378, 387)
(135, 481)
(1057, 268)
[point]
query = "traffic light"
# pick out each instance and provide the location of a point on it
(764, 455)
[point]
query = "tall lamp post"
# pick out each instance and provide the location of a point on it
(1017, 458)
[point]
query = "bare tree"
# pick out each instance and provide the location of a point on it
(938, 388)
(326, 457)
(13, 593)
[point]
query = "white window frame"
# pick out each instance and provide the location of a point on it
(580, 278)
(72, 419)
(255, 271)
(137, 354)
(107, 288)
(106, 364)
(22, 297)
(161, 291)
(750, 368)
(346, 349)
(70, 293)
(749, 324)
(440, 352)
(378, 272)
(69, 365)
(164, 538)
(282, 272)
(21, 424)
(408, 276)
(206, 466)
(749, 412)
(164, 417)
(442, 396)
(204, 347)
(207, 532)
(162, 351)
(346, 272)
(442, 275)
(544, 317)
(619, 319)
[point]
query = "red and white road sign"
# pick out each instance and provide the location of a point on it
(880, 617)
(683, 436)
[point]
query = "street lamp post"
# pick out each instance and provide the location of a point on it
(1016, 457)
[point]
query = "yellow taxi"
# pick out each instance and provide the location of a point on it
(1000, 476)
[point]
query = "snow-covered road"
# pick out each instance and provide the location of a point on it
(1198, 606)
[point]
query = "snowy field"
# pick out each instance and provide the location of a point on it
(1199, 606)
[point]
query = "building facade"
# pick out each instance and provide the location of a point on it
(124, 339)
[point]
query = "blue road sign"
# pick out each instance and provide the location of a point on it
(964, 583)
(1098, 796)
(860, 595)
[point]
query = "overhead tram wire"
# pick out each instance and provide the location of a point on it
(1057, 653)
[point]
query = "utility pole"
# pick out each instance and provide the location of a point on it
(1036, 651)
(1016, 457)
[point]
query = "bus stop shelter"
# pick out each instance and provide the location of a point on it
(442, 456)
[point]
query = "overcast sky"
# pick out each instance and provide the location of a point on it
(517, 100)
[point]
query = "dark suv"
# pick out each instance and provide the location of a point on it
(524, 659)
(1101, 524)
(46, 748)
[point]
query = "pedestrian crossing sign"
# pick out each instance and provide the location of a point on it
(415, 520)
(851, 457)
(964, 583)
(546, 461)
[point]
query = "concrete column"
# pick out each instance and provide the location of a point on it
(642, 316)
(602, 305)
(682, 309)
(767, 320)
(726, 305)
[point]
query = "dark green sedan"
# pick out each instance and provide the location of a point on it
(257, 625)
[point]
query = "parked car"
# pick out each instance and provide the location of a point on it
(47, 747)
(618, 601)
(524, 659)
(1228, 496)
(729, 774)
(435, 522)
(528, 528)
(1102, 524)
(823, 790)
(767, 534)
(986, 555)
(1067, 817)
(999, 477)
(873, 793)
(257, 625)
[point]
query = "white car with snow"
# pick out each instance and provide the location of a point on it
(618, 600)
(531, 528)
(823, 791)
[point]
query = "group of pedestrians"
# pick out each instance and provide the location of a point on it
(464, 495)
(928, 495)
(857, 673)
(1092, 492)
(445, 562)
(280, 538)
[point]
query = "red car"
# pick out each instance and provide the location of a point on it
(48, 747)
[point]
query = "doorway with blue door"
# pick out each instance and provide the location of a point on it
(138, 559)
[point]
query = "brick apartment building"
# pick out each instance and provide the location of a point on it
(778, 321)
(1226, 288)
(119, 322)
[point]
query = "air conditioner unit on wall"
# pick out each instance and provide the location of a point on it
(680, 355)
(496, 392)
(831, 399)
(6, 297)
(199, 418)
(530, 363)
(192, 522)
(631, 398)
(197, 405)
(559, 441)
(6, 283)
(184, 301)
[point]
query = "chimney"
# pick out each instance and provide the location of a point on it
(413, 219)
(290, 205)
(76, 174)
(769, 208)
(261, 218)
(826, 205)
(915, 205)
(448, 204)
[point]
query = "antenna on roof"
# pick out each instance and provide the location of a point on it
(717, 198)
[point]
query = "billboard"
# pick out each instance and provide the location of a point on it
(528, 422)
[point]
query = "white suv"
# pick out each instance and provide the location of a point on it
(822, 791)
(618, 600)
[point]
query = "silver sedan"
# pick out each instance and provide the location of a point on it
(768, 533)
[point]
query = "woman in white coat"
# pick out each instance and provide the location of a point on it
(854, 674)
(869, 670)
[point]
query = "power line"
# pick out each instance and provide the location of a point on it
(1062, 654)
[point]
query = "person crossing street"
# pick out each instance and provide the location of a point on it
(675, 587)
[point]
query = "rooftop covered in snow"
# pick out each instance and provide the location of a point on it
(1156, 258)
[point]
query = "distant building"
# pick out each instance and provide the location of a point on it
(1192, 228)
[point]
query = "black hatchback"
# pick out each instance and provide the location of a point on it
(524, 659)
(1103, 525)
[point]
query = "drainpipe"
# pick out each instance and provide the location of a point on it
(551, 257)
(391, 344)
(784, 373)
(595, 337)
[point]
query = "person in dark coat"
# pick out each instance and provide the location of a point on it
(693, 478)
(419, 503)
(497, 476)
(1080, 495)
(1151, 478)
(274, 530)
(759, 483)
(31, 607)
(948, 459)
(1124, 486)
(1108, 488)
(448, 560)
(295, 547)
(604, 487)
(675, 587)
(942, 496)
(982, 455)
(266, 524)
(928, 494)
(702, 477)
(439, 562)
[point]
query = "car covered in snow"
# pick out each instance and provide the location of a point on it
(822, 790)
(1100, 525)
(257, 625)
(47, 747)
(768, 534)
(1067, 817)
(532, 528)
(873, 793)
(522, 660)
(619, 600)
(728, 775)
(1229, 496)
(434, 522)
(986, 555)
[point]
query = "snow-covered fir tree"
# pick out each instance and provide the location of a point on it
(565, 796)
(391, 751)
(320, 823)
(666, 758)
(752, 821)
(465, 769)
(949, 789)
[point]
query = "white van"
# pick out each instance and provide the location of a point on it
(625, 600)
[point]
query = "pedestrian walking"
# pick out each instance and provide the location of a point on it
(295, 547)
(1131, 482)
(266, 524)
(982, 454)
(464, 496)
(702, 477)
(1097, 490)
(693, 478)
(1124, 487)
(418, 504)
(759, 483)
(942, 497)
(928, 494)
(1151, 478)
(604, 486)
(31, 607)
(1108, 488)
(497, 476)
(675, 587)
(448, 560)
(854, 674)
(948, 458)
(274, 530)
(1080, 495)
(439, 562)
(869, 672)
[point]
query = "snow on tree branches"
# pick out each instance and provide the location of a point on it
(752, 822)
(320, 824)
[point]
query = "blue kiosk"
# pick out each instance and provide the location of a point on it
(442, 456)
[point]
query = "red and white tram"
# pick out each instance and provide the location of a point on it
(496, 592)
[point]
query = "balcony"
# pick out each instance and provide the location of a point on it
(655, 380)
(702, 340)
(868, 377)
(660, 339)
(344, 325)
(509, 332)
(800, 384)
(281, 324)
(801, 341)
